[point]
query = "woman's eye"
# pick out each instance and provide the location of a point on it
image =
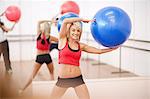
(78, 30)
(73, 30)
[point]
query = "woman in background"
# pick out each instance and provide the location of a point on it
(44, 40)
(4, 45)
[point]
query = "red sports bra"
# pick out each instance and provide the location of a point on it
(42, 42)
(69, 56)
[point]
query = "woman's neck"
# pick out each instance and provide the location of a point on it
(45, 34)
(72, 41)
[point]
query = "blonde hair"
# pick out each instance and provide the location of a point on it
(78, 24)
(45, 27)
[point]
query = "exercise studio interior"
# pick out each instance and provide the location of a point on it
(74, 49)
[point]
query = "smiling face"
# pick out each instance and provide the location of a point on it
(75, 31)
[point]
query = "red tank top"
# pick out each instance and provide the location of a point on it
(41, 46)
(69, 56)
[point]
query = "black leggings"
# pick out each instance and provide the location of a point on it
(4, 49)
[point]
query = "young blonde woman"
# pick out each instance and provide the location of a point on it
(43, 44)
(70, 50)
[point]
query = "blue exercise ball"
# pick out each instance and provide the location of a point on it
(112, 26)
(66, 15)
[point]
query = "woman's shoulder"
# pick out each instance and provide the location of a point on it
(62, 43)
(82, 45)
(39, 33)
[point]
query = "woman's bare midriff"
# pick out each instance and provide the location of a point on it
(39, 52)
(69, 71)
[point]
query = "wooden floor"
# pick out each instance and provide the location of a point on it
(112, 88)
(10, 84)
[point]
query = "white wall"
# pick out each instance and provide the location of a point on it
(134, 60)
